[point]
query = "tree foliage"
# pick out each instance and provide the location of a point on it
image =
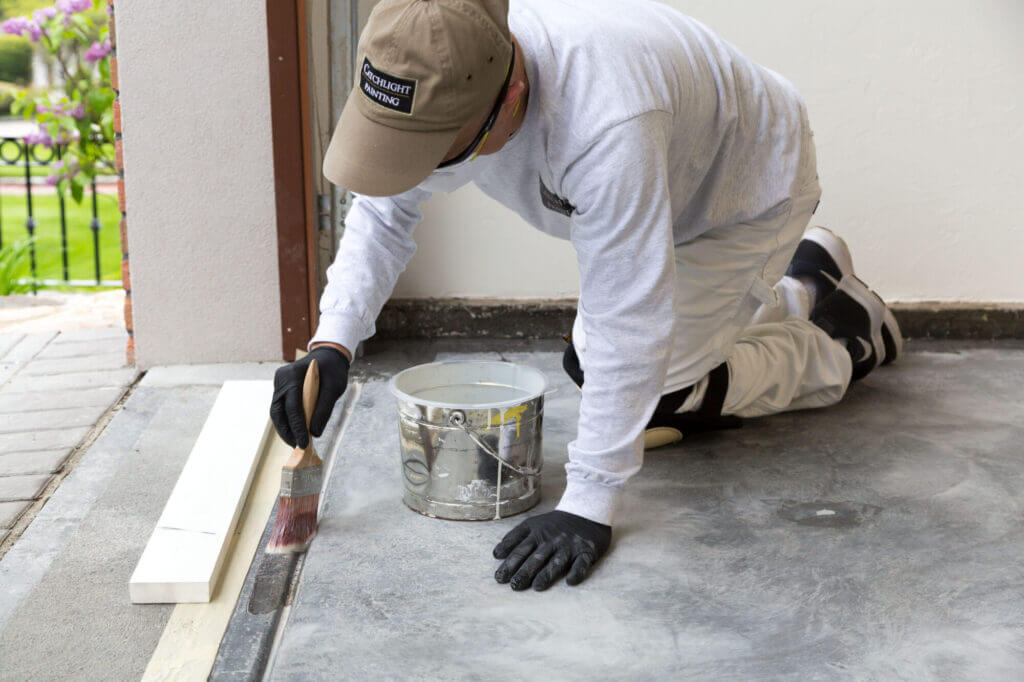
(79, 117)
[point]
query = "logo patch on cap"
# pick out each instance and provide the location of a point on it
(387, 90)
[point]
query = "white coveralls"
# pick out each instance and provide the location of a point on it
(684, 174)
(728, 311)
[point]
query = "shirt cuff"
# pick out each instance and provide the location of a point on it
(339, 327)
(590, 500)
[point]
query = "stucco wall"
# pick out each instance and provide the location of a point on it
(199, 180)
(917, 109)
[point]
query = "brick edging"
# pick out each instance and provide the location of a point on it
(119, 161)
(537, 319)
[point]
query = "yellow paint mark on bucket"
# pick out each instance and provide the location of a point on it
(511, 413)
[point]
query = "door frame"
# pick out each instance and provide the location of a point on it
(293, 186)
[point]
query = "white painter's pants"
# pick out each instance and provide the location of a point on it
(735, 306)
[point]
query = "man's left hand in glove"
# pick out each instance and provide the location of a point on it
(543, 548)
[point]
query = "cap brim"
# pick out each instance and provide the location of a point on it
(367, 157)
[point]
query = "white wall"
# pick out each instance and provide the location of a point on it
(918, 112)
(199, 180)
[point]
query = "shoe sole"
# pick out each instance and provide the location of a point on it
(892, 337)
(853, 287)
(660, 436)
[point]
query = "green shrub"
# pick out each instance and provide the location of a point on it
(15, 59)
(14, 260)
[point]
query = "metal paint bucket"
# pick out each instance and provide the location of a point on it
(470, 436)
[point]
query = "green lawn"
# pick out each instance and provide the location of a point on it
(19, 171)
(13, 212)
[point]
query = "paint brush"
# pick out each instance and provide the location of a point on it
(301, 477)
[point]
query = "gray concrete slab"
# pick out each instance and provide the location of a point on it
(96, 333)
(60, 418)
(208, 374)
(7, 341)
(70, 570)
(11, 511)
(81, 363)
(14, 488)
(35, 462)
(83, 397)
(722, 566)
(82, 348)
(47, 536)
(52, 439)
(27, 346)
(7, 370)
(70, 381)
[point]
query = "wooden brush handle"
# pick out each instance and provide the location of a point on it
(306, 457)
(310, 390)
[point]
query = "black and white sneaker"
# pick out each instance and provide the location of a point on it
(855, 316)
(824, 257)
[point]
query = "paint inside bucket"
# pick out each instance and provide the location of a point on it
(471, 394)
(468, 385)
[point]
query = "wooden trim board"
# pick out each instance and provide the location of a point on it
(183, 557)
(190, 641)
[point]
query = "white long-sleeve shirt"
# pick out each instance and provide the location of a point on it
(643, 130)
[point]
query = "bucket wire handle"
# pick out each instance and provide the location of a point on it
(458, 419)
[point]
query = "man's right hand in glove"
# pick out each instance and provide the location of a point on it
(286, 407)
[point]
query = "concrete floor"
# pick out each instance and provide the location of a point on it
(722, 564)
(877, 539)
(64, 608)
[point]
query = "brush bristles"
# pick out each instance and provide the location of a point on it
(295, 525)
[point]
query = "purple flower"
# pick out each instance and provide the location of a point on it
(19, 25)
(52, 180)
(41, 15)
(15, 25)
(35, 32)
(38, 137)
(97, 51)
(78, 112)
(72, 6)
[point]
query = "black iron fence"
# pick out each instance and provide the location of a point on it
(16, 152)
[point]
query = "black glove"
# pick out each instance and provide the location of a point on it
(555, 542)
(286, 406)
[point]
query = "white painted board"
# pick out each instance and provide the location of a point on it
(183, 557)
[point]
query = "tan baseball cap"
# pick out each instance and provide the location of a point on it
(425, 69)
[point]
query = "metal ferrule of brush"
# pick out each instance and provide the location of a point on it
(300, 482)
